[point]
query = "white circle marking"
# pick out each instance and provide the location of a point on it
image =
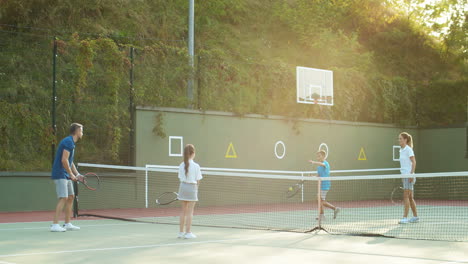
(276, 149)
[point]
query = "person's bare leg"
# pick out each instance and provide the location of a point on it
(68, 208)
(328, 205)
(413, 204)
(406, 201)
(321, 207)
(188, 222)
(58, 209)
(182, 216)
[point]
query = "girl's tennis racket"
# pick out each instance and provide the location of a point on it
(90, 180)
(293, 190)
(167, 198)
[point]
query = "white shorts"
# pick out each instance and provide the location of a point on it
(64, 188)
(323, 194)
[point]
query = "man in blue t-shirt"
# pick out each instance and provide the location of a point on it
(323, 171)
(63, 173)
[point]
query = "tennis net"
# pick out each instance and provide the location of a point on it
(286, 200)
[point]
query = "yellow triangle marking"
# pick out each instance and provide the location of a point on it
(231, 152)
(362, 155)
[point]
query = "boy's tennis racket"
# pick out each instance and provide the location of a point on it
(90, 180)
(167, 198)
(294, 190)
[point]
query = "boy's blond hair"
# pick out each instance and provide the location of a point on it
(322, 152)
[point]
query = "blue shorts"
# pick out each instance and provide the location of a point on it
(407, 185)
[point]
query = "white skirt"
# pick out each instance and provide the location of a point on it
(188, 192)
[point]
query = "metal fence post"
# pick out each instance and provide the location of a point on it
(54, 97)
(132, 109)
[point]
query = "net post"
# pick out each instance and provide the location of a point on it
(319, 202)
(302, 187)
(146, 186)
(75, 200)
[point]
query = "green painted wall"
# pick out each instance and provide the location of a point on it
(254, 140)
(443, 149)
(26, 193)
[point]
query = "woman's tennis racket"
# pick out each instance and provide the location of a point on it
(90, 180)
(293, 190)
(167, 198)
(397, 195)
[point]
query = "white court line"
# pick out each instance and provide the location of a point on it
(441, 223)
(46, 227)
(50, 221)
(4, 262)
(455, 262)
(131, 247)
(39, 222)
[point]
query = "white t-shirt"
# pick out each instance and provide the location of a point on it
(405, 162)
(193, 175)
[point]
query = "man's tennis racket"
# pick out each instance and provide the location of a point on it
(294, 190)
(90, 180)
(167, 198)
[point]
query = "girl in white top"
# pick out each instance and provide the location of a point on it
(189, 177)
(408, 166)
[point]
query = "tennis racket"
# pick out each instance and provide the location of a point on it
(90, 180)
(397, 195)
(167, 198)
(294, 190)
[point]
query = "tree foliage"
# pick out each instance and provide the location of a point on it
(394, 61)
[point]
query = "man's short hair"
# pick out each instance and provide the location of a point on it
(74, 127)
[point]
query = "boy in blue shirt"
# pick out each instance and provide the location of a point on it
(323, 171)
(63, 173)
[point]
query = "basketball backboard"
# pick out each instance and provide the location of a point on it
(314, 86)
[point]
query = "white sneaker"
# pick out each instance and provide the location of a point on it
(57, 228)
(181, 235)
(414, 220)
(404, 221)
(190, 235)
(70, 227)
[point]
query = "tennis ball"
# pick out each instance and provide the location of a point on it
(290, 188)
